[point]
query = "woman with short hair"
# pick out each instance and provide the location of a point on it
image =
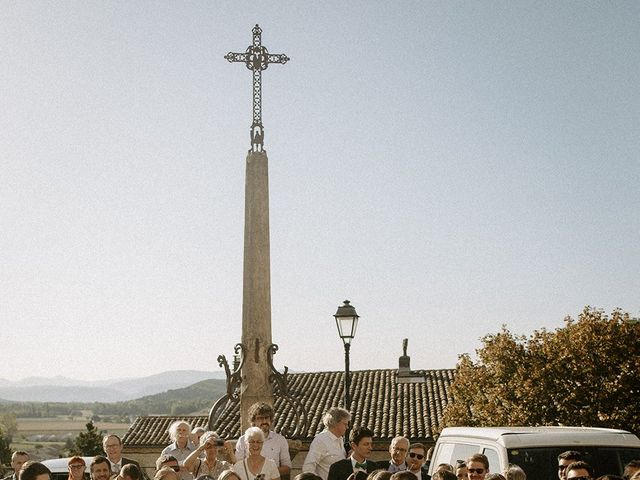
(255, 466)
(210, 465)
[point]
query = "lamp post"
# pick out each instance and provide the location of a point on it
(346, 321)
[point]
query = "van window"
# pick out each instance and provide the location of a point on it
(542, 463)
(450, 452)
(494, 460)
(462, 451)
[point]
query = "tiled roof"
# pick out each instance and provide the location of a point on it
(378, 401)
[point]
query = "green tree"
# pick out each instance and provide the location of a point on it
(584, 373)
(8, 424)
(5, 448)
(88, 443)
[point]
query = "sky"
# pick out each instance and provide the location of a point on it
(449, 167)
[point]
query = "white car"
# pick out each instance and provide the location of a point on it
(536, 449)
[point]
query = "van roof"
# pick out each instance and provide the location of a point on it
(518, 437)
(57, 465)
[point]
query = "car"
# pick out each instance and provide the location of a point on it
(536, 449)
(60, 467)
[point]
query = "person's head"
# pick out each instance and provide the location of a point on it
(35, 471)
(417, 457)
(112, 446)
(165, 473)
(358, 475)
(629, 469)
(304, 476)
(211, 442)
(361, 441)
(168, 461)
(254, 438)
(398, 449)
(196, 434)
(443, 475)
(564, 460)
(460, 469)
(179, 431)
(17, 460)
(76, 466)
(130, 472)
(379, 474)
(514, 472)
(444, 466)
(100, 468)
(336, 420)
(403, 475)
(477, 466)
(229, 475)
(579, 470)
(261, 415)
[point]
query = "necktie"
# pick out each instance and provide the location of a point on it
(116, 468)
(361, 465)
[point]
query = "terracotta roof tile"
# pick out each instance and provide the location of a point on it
(378, 401)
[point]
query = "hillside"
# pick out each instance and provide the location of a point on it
(198, 397)
(63, 389)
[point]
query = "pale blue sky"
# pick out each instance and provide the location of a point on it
(447, 166)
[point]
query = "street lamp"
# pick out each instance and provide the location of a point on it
(346, 321)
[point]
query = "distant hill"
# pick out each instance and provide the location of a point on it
(196, 398)
(63, 389)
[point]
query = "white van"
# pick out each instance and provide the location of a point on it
(536, 449)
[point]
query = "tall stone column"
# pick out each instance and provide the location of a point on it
(256, 298)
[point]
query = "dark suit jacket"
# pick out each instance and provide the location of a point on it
(343, 468)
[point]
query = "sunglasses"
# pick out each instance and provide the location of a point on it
(416, 455)
(581, 478)
(475, 470)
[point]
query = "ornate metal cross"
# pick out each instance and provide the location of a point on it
(257, 59)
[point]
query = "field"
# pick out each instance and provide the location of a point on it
(46, 437)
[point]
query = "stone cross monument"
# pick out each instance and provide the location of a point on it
(256, 298)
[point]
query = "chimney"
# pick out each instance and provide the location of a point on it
(405, 375)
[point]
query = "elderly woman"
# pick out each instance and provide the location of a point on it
(255, 466)
(210, 465)
(181, 448)
(328, 446)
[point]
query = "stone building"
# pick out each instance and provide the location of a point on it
(390, 402)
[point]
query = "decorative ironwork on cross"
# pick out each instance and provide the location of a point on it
(257, 59)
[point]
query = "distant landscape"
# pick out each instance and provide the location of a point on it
(63, 389)
(46, 424)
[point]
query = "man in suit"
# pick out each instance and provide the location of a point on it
(112, 446)
(416, 459)
(361, 441)
(398, 449)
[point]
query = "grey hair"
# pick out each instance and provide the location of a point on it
(253, 432)
(207, 436)
(334, 416)
(173, 429)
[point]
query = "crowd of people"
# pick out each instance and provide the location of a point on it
(262, 454)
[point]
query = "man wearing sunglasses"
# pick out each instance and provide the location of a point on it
(416, 459)
(477, 466)
(579, 471)
(564, 460)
